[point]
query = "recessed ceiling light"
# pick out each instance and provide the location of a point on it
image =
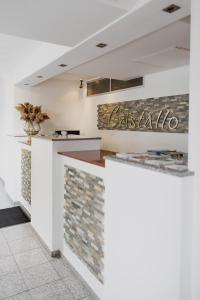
(26, 83)
(171, 8)
(183, 48)
(62, 65)
(101, 45)
(39, 76)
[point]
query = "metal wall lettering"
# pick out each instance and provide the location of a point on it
(165, 114)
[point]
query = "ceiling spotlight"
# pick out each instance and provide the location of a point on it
(26, 83)
(101, 45)
(183, 48)
(39, 76)
(63, 65)
(81, 84)
(171, 8)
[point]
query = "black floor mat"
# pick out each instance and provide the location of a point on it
(12, 216)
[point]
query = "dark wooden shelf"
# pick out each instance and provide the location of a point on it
(95, 157)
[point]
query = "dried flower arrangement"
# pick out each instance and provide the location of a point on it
(31, 113)
(33, 117)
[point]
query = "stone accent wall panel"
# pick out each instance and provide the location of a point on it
(26, 175)
(166, 114)
(84, 218)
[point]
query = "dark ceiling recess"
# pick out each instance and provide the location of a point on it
(98, 86)
(107, 85)
(171, 8)
(101, 45)
(125, 84)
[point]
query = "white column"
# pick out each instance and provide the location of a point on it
(194, 132)
(194, 144)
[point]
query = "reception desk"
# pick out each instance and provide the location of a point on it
(127, 226)
(120, 224)
(148, 233)
(18, 172)
(46, 184)
(83, 239)
(25, 195)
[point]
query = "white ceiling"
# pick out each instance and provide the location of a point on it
(64, 22)
(13, 51)
(19, 56)
(74, 76)
(129, 27)
(125, 4)
(164, 49)
(142, 20)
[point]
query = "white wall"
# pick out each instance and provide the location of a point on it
(2, 126)
(194, 144)
(6, 122)
(69, 108)
(59, 98)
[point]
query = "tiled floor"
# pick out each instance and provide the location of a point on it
(5, 201)
(28, 272)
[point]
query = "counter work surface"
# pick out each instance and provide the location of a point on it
(98, 158)
(144, 165)
(95, 157)
(70, 137)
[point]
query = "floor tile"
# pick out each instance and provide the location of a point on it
(47, 254)
(23, 245)
(39, 275)
(7, 265)
(4, 250)
(77, 288)
(62, 268)
(21, 296)
(53, 291)
(30, 258)
(17, 232)
(89, 298)
(11, 285)
(2, 238)
(5, 201)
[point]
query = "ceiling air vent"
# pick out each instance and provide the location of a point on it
(107, 85)
(171, 8)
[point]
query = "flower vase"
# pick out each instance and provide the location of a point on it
(31, 129)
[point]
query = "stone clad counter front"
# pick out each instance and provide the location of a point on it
(26, 175)
(84, 218)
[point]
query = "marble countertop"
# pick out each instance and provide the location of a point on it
(68, 138)
(25, 143)
(160, 169)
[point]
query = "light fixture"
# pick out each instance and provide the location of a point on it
(62, 65)
(26, 83)
(81, 84)
(171, 8)
(39, 76)
(101, 45)
(183, 48)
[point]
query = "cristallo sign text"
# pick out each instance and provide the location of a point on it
(166, 114)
